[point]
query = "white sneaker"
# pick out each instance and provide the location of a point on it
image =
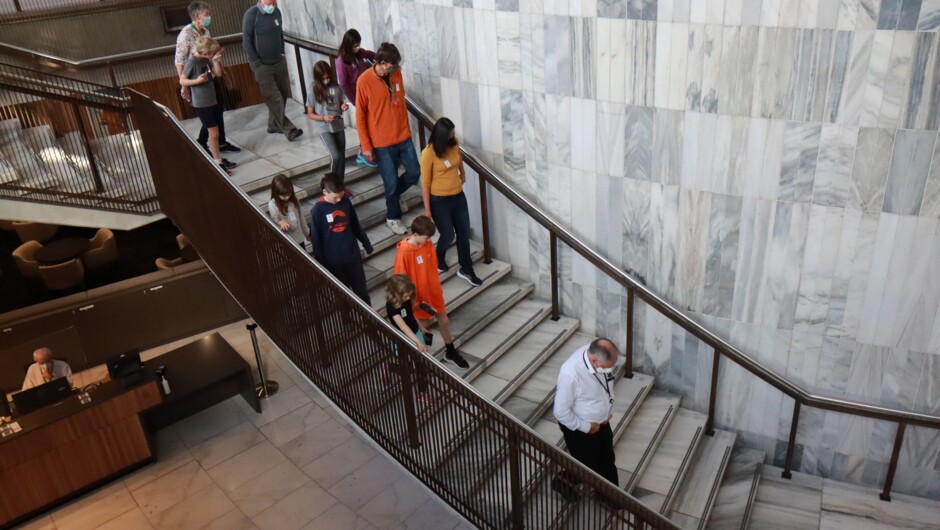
(403, 204)
(395, 226)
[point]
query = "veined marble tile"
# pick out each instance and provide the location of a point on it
(834, 166)
(663, 64)
(928, 391)
(668, 147)
(764, 89)
(848, 15)
(784, 50)
(931, 203)
(744, 78)
(640, 67)
(694, 213)
(730, 39)
(852, 98)
(711, 67)
(922, 89)
(929, 15)
(696, 51)
(903, 510)
(876, 78)
(868, 11)
(638, 138)
(801, 152)
(509, 51)
(888, 17)
(870, 171)
(896, 79)
(636, 204)
(679, 65)
(907, 175)
(722, 255)
(664, 208)
(884, 243)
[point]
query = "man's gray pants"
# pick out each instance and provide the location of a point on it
(274, 84)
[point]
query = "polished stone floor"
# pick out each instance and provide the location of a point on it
(298, 465)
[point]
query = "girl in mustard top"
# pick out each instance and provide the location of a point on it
(442, 178)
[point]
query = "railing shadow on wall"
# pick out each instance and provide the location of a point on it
(349, 352)
(634, 289)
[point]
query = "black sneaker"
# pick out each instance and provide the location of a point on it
(470, 277)
(227, 164)
(229, 148)
(455, 357)
(294, 134)
(442, 268)
(272, 131)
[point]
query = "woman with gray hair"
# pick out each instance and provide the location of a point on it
(201, 16)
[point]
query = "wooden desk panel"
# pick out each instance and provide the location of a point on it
(48, 462)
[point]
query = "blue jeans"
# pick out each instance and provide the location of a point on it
(451, 214)
(389, 158)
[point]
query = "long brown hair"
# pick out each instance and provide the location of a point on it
(398, 289)
(281, 185)
(320, 70)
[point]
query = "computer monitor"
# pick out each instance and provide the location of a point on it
(125, 367)
(43, 395)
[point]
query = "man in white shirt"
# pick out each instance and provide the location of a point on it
(584, 400)
(45, 369)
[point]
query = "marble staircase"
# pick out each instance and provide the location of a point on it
(515, 350)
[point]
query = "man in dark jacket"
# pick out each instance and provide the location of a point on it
(263, 40)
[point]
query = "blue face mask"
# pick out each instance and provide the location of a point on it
(206, 22)
(268, 9)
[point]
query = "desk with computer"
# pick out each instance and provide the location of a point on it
(60, 441)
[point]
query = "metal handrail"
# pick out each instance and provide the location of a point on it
(49, 59)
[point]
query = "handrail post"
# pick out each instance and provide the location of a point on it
(113, 77)
(713, 394)
(791, 444)
(422, 137)
(893, 466)
(553, 245)
(408, 397)
(83, 133)
(515, 481)
(631, 298)
(300, 73)
(485, 219)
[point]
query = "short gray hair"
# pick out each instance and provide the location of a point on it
(602, 349)
(45, 351)
(196, 8)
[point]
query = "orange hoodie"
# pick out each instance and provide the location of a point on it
(381, 112)
(420, 264)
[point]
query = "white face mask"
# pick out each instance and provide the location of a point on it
(605, 371)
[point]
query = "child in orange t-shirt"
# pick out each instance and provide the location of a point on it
(417, 259)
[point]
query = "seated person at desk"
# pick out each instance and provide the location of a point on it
(45, 369)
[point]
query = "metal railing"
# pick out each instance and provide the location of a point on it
(486, 464)
(70, 142)
(634, 290)
(12, 11)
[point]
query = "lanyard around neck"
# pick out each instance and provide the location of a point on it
(605, 385)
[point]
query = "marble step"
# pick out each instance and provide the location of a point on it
(380, 265)
(456, 290)
(307, 176)
(307, 188)
(636, 447)
(478, 313)
(381, 236)
(671, 461)
(697, 494)
(735, 498)
(372, 212)
(501, 378)
(486, 347)
(787, 504)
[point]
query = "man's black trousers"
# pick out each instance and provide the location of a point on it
(596, 451)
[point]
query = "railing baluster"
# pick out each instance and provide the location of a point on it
(553, 245)
(713, 394)
(83, 132)
(422, 137)
(791, 444)
(485, 219)
(407, 373)
(300, 73)
(628, 347)
(515, 481)
(893, 466)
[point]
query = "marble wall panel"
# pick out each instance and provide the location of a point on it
(770, 165)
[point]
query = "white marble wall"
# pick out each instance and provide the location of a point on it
(771, 166)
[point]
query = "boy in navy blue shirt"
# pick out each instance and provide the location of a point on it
(334, 229)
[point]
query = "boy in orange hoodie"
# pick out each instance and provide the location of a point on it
(417, 259)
